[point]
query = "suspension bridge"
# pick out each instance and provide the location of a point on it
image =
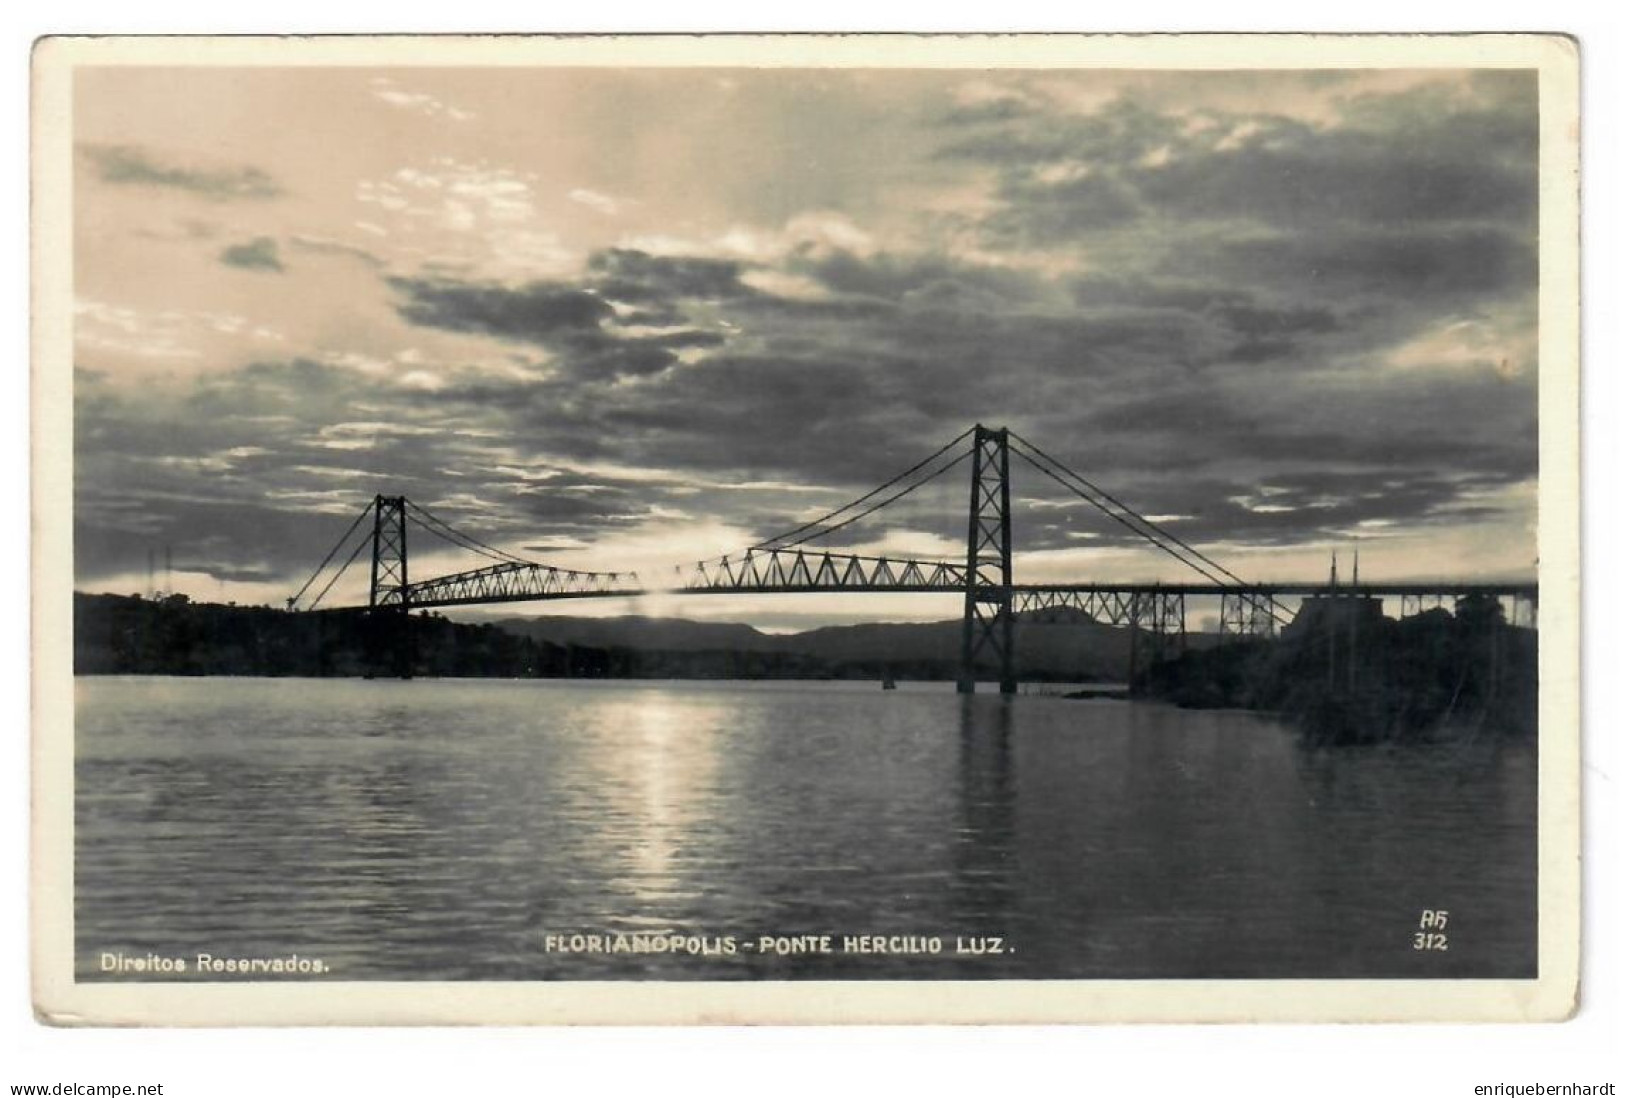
(788, 563)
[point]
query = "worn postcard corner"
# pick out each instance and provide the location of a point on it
(778, 530)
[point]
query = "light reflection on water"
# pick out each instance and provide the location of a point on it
(443, 830)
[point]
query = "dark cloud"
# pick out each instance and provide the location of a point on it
(576, 323)
(622, 358)
(1458, 428)
(1313, 179)
(1440, 268)
(259, 254)
(1165, 292)
(767, 308)
(135, 166)
(636, 277)
(1431, 155)
(1258, 322)
(906, 279)
(227, 573)
(536, 312)
(1037, 214)
(664, 316)
(688, 337)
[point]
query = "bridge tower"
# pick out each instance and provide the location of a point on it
(989, 623)
(388, 551)
(389, 579)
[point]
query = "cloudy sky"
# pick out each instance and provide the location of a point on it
(625, 319)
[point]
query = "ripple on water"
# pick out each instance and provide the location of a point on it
(440, 830)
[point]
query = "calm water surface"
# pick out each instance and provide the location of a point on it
(446, 829)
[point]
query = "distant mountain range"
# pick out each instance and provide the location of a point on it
(131, 635)
(1057, 644)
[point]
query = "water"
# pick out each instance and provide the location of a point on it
(457, 829)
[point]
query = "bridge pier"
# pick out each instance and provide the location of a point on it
(402, 646)
(989, 622)
(1156, 624)
(1246, 614)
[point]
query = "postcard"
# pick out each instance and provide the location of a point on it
(797, 529)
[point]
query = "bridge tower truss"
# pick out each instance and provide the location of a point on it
(1246, 614)
(389, 579)
(389, 572)
(989, 624)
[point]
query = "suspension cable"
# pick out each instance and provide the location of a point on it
(1120, 519)
(443, 529)
(865, 513)
(331, 553)
(467, 541)
(356, 552)
(787, 535)
(451, 534)
(426, 528)
(1138, 523)
(1136, 516)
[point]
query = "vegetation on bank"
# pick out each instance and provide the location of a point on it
(130, 635)
(1345, 674)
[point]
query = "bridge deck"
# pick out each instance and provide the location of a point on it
(1027, 593)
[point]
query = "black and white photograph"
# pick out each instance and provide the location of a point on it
(770, 529)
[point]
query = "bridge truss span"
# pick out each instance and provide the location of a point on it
(769, 571)
(1254, 610)
(512, 582)
(757, 572)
